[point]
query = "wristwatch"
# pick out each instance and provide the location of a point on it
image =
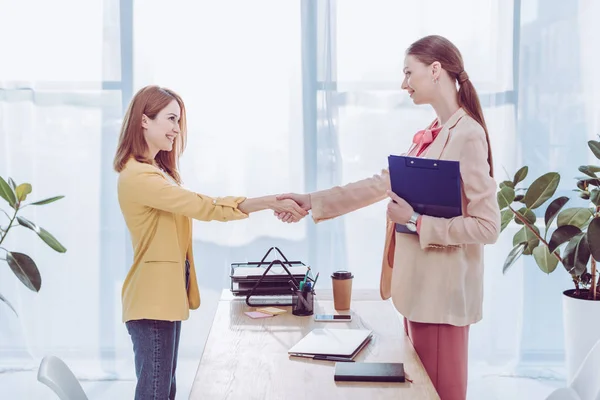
(411, 225)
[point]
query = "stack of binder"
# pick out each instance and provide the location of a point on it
(244, 276)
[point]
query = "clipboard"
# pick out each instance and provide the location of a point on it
(431, 187)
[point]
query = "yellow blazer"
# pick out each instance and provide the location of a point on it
(436, 276)
(158, 214)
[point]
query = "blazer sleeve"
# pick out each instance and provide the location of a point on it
(480, 222)
(148, 187)
(339, 200)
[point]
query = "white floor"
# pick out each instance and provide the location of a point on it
(485, 383)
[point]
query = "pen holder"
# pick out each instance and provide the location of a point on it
(303, 302)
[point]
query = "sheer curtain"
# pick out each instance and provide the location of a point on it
(60, 109)
(558, 113)
(282, 96)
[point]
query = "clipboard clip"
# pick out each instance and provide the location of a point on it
(417, 162)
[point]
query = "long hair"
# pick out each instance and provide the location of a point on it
(149, 101)
(437, 48)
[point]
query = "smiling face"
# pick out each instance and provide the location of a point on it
(160, 132)
(420, 80)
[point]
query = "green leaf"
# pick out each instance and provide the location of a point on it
(520, 175)
(544, 259)
(541, 190)
(2, 298)
(576, 255)
(43, 234)
(595, 196)
(576, 216)
(588, 170)
(507, 183)
(513, 256)
(12, 183)
(7, 193)
(595, 147)
(585, 182)
(525, 235)
(585, 195)
(562, 235)
(505, 197)
(22, 191)
(593, 238)
(47, 201)
(25, 269)
(505, 216)
(527, 214)
(553, 209)
(591, 168)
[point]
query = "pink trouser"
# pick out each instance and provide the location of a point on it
(443, 350)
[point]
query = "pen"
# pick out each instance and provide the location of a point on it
(316, 279)
(333, 358)
(306, 275)
(323, 358)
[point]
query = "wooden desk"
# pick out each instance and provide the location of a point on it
(247, 358)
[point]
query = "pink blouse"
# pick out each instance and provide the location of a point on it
(421, 142)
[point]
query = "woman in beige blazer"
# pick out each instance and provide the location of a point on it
(435, 278)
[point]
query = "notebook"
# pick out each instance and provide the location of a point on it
(332, 342)
(369, 372)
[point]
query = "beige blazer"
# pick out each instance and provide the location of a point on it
(436, 276)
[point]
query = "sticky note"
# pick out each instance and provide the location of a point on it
(271, 310)
(256, 314)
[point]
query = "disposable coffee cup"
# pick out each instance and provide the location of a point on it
(342, 289)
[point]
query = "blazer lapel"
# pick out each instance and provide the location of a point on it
(436, 148)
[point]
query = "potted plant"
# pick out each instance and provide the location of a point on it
(569, 236)
(21, 264)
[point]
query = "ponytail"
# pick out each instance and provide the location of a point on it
(430, 49)
(469, 101)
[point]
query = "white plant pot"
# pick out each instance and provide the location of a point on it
(581, 320)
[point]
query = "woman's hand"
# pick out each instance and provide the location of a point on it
(398, 210)
(280, 206)
(289, 208)
(303, 200)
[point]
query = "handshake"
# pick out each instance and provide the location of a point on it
(291, 207)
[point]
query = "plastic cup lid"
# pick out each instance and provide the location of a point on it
(342, 275)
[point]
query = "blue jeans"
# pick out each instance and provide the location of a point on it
(155, 347)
